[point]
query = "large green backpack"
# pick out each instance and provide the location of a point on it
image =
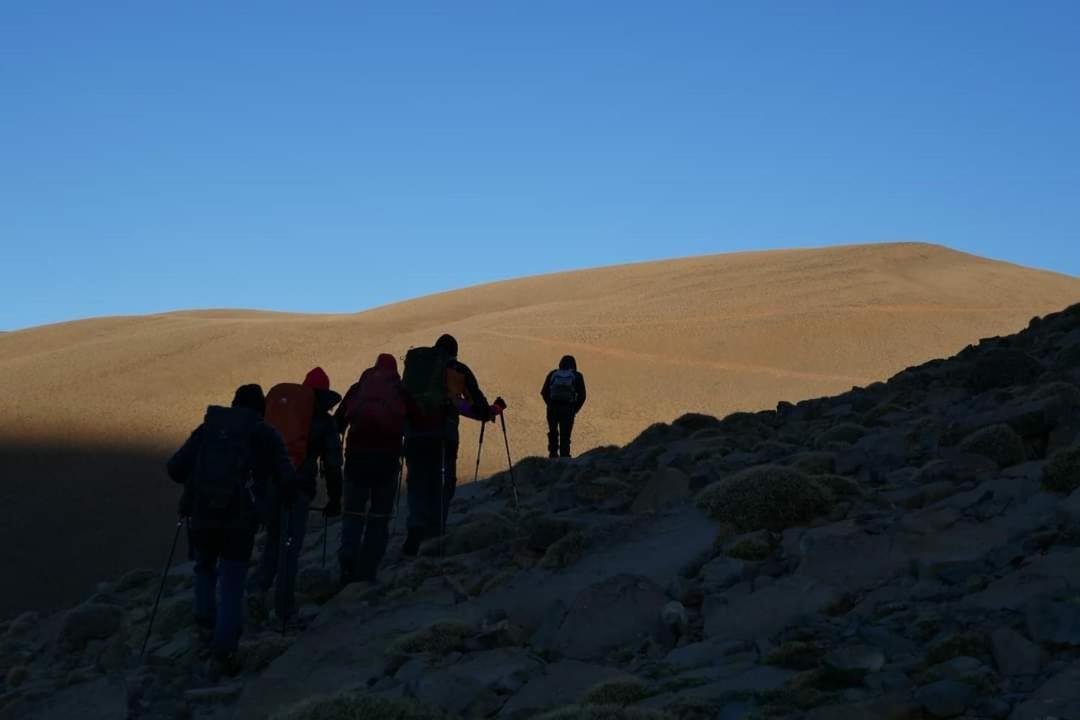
(425, 380)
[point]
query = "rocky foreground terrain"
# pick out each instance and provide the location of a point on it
(905, 550)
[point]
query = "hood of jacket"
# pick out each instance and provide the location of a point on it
(568, 363)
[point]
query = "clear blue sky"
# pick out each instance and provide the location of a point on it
(337, 156)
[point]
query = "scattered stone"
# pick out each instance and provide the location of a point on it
(619, 611)
(674, 616)
(946, 698)
(1061, 473)
(1014, 654)
(91, 621)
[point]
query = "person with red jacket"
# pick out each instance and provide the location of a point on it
(373, 416)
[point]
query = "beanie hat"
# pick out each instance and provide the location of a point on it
(447, 344)
(251, 398)
(317, 379)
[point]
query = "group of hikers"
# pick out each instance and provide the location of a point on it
(255, 465)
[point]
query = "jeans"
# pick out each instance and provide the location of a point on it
(282, 524)
(221, 555)
(370, 487)
(432, 465)
(560, 427)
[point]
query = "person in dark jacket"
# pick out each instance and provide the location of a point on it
(323, 453)
(232, 444)
(373, 415)
(431, 454)
(564, 395)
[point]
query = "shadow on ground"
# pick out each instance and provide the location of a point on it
(73, 516)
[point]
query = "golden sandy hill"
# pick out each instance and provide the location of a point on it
(89, 409)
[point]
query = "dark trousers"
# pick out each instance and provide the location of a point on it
(560, 427)
(432, 480)
(221, 556)
(286, 527)
(370, 487)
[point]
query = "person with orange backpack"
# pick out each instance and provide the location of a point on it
(227, 466)
(440, 389)
(301, 414)
(373, 414)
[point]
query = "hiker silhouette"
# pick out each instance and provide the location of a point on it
(564, 394)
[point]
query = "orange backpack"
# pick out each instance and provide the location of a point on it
(289, 410)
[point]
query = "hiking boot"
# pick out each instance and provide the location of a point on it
(411, 548)
(222, 665)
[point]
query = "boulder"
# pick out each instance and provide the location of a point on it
(90, 621)
(999, 443)
(1062, 471)
(1014, 654)
(959, 469)
(565, 552)
(946, 698)
(721, 572)
(663, 489)
(764, 497)
(1058, 697)
(852, 663)
(621, 610)
(744, 614)
(1053, 623)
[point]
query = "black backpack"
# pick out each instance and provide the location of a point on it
(223, 468)
(563, 387)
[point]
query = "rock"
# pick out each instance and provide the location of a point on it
(674, 616)
(619, 692)
(257, 654)
(959, 469)
(998, 442)
(455, 693)
(721, 572)
(814, 463)
(214, 695)
(897, 706)
(1053, 623)
(17, 675)
(440, 638)
(1014, 654)
(1058, 697)
(795, 655)
(852, 559)
(174, 614)
(25, 624)
(745, 615)
(92, 621)
(750, 547)
(852, 663)
(1061, 473)
(946, 698)
(479, 531)
(764, 497)
(846, 433)
(601, 489)
(621, 610)
(564, 552)
(556, 684)
(546, 530)
(135, 580)
(316, 584)
(502, 670)
(663, 489)
(1003, 367)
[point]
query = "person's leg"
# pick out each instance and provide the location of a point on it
(566, 429)
(268, 560)
(295, 517)
(352, 521)
(450, 481)
(381, 472)
(235, 558)
(424, 478)
(207, 552)
(553, 432)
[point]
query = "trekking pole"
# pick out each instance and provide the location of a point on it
(161, 588)
(397, 493)
(325, 530)
(479, 449)
(509, 463)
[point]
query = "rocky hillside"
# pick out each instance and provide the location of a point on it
(905, 550)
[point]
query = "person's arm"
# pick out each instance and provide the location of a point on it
(182, 463)
(579, 381)
(331, 458)
(341, 422)
(545, 391)
(481, 407)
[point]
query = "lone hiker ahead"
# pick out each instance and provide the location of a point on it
(564, 395)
